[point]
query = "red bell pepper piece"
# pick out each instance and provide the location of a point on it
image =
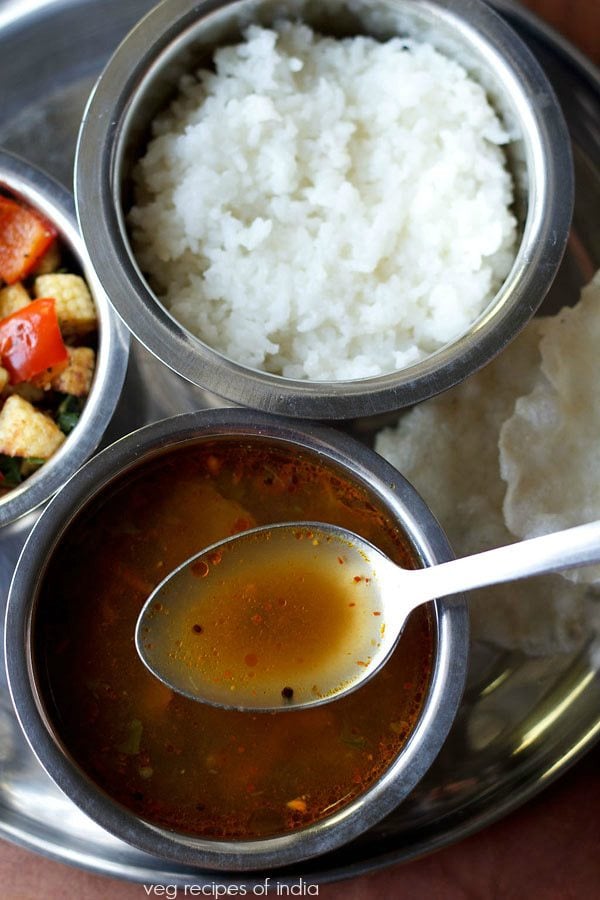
(30, 341)
(25, 235)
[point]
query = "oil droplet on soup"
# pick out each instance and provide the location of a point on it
(185, 765)
(273, 619)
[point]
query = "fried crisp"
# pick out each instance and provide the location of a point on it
(13, 297)
(26, 432)
(550, 446)
(448, 448)
(25, 389)
(50, 261)
(76, 379)
(74, 305)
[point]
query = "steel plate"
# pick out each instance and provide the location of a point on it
(524, 719)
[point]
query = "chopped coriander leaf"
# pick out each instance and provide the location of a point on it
(31, 464)
(353, 738)
(68, 413)
(130, 746)
(10, 470)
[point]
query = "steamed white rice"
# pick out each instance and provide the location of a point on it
(326, 209)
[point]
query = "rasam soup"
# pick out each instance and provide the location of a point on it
(177, 763)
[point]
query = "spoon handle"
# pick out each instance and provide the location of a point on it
(568, 549)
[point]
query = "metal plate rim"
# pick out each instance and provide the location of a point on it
(157, 871)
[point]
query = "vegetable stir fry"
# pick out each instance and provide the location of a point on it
(48, 333)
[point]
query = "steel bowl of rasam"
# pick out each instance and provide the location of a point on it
(209, 787)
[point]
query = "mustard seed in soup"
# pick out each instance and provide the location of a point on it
(181, 764)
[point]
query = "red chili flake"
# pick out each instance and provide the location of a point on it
(251, 659)
(352, 604)
(288, 693)
(256, 619)
(340, 560)
(200, 568)
(376, 613)
(197, 629)
(216, 557)
(357, 579)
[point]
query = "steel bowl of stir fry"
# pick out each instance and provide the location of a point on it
(63, 351)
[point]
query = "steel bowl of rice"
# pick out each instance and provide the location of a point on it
(325, 210)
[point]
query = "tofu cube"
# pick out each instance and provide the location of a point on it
(24, 431)
(76, 379)
(13, 297)
(74, 305)
(28, 391)
(50, 261)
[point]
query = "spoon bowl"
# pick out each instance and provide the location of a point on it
(278, 617)
(294, 615)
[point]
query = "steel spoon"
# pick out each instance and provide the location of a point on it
(189, 657)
